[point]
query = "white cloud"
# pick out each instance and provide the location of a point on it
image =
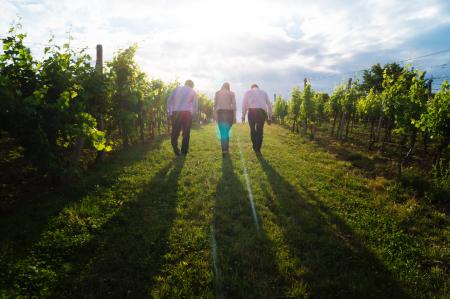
(240, 41)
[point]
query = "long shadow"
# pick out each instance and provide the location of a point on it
(355, 151)
(246, 261)
(24, 225)
(339, 266)
(123, 258)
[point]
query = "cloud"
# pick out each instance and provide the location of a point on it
(274, 43)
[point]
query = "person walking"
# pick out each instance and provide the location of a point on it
(181, 106)
(256, 102)
(225, 110)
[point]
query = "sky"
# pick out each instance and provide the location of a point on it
(272, 43)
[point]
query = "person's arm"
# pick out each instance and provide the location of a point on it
(215, 106)
(170, 103)
(195, 104)
(233, 106)
(269, 109)
(244, 106)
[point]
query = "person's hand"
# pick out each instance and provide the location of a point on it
(269, 122)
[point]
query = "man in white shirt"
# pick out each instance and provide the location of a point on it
(259, 107)
(181, 106)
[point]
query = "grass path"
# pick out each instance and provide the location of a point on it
(147, 224)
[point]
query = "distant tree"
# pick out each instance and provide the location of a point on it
(373, 79)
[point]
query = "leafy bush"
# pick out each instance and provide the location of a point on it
(59, 106)
(44, 103)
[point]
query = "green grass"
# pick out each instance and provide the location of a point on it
(147, 224)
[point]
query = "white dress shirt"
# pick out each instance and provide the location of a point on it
(183, 98)
(257, 99)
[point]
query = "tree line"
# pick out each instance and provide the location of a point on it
(61, 109)
(390, 101)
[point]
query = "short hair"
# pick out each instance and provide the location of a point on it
(189, 83)
(254, 85)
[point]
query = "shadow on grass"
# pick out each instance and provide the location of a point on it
(337, 264)
(23, 226)
(246, 263)
(355, 151)
(124, 257)
(344, 151)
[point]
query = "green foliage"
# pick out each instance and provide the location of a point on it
(334, 106)
(125, 79)
(155, 105)
(295, 103)
(138, 104)
(391, 99)
(436, 120)
(373, 79)
(403, 97)
(205, 109)
(280, 109)
(59, 106)
(44, 103)
(349, 101)
(294, 107)
(307, 106)
(320, 101)
(370, 106)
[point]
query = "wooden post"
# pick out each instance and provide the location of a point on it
(80, 139)
(101, 123)
(99, 61)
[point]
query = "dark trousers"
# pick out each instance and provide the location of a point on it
(181, 122)
(225, 120)
(256, 119)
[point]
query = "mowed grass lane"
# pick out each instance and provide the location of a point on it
(151, 225)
